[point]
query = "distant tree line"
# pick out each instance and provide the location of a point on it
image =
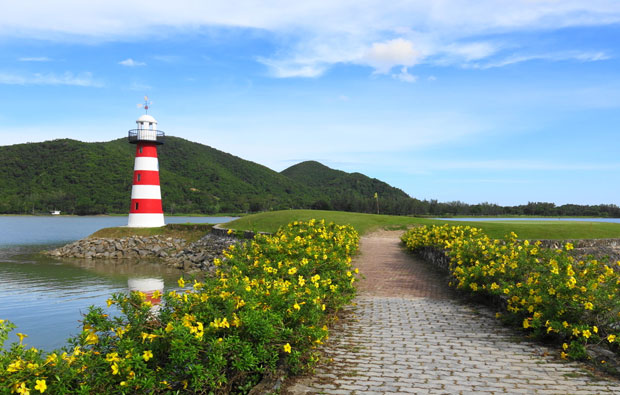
(416, 207)
(95, 178)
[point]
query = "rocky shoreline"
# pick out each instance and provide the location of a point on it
(197, 256)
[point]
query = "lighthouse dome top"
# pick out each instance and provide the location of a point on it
(146, 131)
(146, 118)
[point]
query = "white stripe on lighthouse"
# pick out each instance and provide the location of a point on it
(146, 192)
(146, 163)
(146, 220)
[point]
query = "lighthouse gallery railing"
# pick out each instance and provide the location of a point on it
(136, 135)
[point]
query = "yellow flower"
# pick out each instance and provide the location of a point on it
(112, 357)
(21, 338)
(586, 333)
(563, 355)
(114, 368)
(110, 302)
(611, 338)
(148, 354)
(230, 231)
(22, 389)
(565, 346)
(41, 386)
(15, 366)
(588, 306)
(595, 329)
(92, 338)
(169, 327)
(181, 282)
(296, 306)
(287, 348)
(292, 271)
(526, 323)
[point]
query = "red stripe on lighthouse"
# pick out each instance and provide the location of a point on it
(146, 149)
(146, 206)
(145, 177)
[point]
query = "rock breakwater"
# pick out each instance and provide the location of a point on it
(173, 251)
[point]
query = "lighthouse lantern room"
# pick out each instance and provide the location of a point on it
(146, 209)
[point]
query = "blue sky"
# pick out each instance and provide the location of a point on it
(479, 101)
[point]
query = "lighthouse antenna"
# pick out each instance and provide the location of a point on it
(146, 104)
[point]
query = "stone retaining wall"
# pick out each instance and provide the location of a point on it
(176, 252)
(598, 248)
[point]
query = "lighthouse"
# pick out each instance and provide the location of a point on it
(146, 209)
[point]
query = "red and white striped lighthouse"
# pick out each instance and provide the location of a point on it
(146, 208)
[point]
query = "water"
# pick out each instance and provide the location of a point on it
(46, 297)
(613, 220)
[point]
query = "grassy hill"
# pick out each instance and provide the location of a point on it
(347, 191)
(95, 178)
(365, 223)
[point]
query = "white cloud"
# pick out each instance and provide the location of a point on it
(131, 63)
(317, 34)
(35, 59)
(552, 56)
(471, 51)
(405, 76)
(287, 68)
(384, 56)
(82, 79)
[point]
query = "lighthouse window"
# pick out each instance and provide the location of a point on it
(138, 176)
(140, 149)
(136, 205)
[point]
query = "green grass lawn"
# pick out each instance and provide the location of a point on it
(364, 223)
(188, 232)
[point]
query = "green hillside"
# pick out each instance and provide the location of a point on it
(95, 178)
(348, 191)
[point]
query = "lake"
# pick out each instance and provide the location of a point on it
(613, 220)
(46, 297)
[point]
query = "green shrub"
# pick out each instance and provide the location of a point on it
(546, 292)
(268, 303)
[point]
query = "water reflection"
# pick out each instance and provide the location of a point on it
(46, 298)
(153, 288)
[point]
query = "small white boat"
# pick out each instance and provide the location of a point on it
(55, 212)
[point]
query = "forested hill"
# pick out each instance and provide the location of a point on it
(94, 178)
(348, 191)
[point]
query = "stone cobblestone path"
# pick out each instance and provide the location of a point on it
(406, 333)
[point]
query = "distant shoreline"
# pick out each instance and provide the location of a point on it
(124, 215)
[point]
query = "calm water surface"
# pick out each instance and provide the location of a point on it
(614, 220)
(46, 297)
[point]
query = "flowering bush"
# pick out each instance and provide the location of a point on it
(268, 303)
(545, 291)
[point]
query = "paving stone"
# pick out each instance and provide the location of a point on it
(410, 335)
